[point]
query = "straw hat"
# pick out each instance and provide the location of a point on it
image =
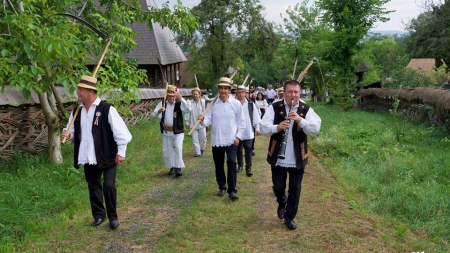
(280, 90)
(88, 82)
(225, 81)
(171, 90)
(242, 88)
(197, 89)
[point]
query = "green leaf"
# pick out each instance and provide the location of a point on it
(34, 70)
(6, 53)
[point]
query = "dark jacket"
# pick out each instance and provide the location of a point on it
(299, 137)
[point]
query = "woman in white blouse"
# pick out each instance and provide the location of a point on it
(261, 103)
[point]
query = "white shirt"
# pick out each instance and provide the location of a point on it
(86, 153)
(271, 94)
(248, 134)
(262, 104)
(227, 122)
(310, 125)
(168, 118)
(195, 108)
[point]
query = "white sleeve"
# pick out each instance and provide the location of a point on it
(267, 126)
(311, 123)
(121, 134)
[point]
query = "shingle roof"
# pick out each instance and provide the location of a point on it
(156, 42)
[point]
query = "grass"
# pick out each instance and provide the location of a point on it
(406, 181)
(383, 196)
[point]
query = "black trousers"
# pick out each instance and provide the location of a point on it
(97, 191)
(279, 176)
(219, 159)
(247, 146)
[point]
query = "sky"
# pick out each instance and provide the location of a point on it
(404, 11)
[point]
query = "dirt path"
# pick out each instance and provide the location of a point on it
(326, 222)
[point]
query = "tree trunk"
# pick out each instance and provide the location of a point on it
(53, 126)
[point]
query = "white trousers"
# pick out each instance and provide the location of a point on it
(172, 150)
(199, 140)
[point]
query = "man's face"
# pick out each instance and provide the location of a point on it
(84, 94)
(196, 95)
(240, 95)
(292, 92)
(224, 91)
(171, 99)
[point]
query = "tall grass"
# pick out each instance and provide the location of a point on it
(405, 180)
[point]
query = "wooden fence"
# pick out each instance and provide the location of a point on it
(22, 122)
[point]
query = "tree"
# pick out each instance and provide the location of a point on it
(230, 29)
(429, 33)
(40, 48)
(310, 40)
(350, 21)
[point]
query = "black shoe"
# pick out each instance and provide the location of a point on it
(233, 196)
(290, 224)
(239, 169)
(197, 155)
(97, 222)
(249, 172)
(201, 151)
(178, 172)
(171, 171)
(281, 210)
(113, 224)
(253, 153)
(221, 192)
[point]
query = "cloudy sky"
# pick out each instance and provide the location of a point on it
(404, 11)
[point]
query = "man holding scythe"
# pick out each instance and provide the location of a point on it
(172, 129)
(196, 107)
(100, 137)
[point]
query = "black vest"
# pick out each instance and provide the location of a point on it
(105, 145)
(178, 126)
(250, 112)
(299, 137)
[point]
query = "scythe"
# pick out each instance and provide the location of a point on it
(99, 61)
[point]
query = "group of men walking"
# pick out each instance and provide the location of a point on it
(233, 123)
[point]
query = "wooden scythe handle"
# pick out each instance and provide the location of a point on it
(303, 73)
(203, 113)
(99, 62)
(71, 123)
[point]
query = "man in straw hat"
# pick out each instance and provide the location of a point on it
(280, 92)
(172, 128)
(295, 120)
(100, 138)
(252, 120)
(227, 121)
(196, 107)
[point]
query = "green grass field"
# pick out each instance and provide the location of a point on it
(398, 189)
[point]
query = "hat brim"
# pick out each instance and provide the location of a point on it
(85, 86)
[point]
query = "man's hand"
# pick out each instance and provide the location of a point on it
(119, 159)
(283, 125)
(201, 118)
(187, 126)
(236, 141)
(66, 134)
(162, 109)
(295, 117)
(257, 132)
(178, 96)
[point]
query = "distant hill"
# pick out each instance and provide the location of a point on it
(389, 32)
